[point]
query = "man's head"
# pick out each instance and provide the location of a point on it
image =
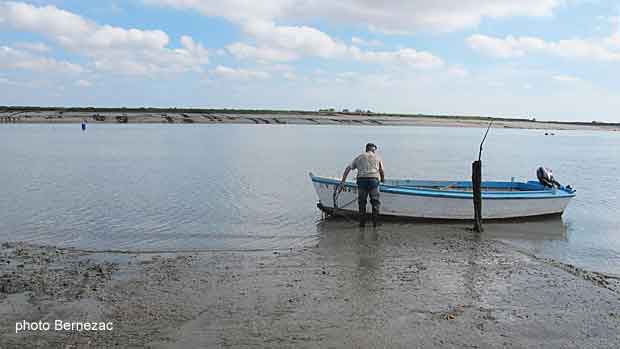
(371, 147)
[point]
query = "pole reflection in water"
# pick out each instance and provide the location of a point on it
(536, 230)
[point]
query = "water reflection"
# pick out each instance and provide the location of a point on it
(368, 248)
(336, 231)
(341, 233)
(340, 237)
(448, 261)
(538, 230)
(344, 244)
(443, 266)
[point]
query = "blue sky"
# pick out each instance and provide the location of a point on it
(549, 59)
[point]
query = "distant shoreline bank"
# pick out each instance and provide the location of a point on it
(224, 116)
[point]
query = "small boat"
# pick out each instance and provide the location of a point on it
(449, 200)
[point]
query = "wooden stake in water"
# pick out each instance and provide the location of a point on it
(476, 181)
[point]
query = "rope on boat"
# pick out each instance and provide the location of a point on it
(336, 208)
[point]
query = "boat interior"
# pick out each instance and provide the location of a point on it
(466, 185)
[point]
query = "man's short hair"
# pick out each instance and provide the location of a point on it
(371, 147)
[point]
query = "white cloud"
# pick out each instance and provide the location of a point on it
(509, 47)
(395, 16)
(11, 58)
(613, 40)
(406, 56)
(33, 46)
(613, 20)
(458, 72)
(565, 78)
(239, 74)
(26, 84)
(281, 43)
(190, 57)
(5, 81)
(279, 67)
(50, 19)
(289, 75)
(361, 42)
(115, 49)
(245, 51)
(83, 83)
(406, 16)
(300, 41)
(590, 49)
(231, 9)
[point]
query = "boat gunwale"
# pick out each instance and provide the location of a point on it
(507, 195)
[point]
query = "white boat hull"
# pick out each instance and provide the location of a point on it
(447, 207)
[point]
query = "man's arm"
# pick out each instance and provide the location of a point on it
(381, 173)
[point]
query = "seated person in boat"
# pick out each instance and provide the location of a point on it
(369, 172)
(545, 177)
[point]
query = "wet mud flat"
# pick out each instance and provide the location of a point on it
(438, 286)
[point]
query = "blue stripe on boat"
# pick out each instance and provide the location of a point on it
(516, 195)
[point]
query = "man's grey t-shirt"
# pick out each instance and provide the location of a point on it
(367, 165)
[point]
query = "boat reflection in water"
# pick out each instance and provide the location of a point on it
(422, 265)
(344, 230)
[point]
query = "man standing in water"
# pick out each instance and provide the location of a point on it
(369, 172)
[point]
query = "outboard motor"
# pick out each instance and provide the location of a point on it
(545, 177)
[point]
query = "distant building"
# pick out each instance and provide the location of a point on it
(345, 110)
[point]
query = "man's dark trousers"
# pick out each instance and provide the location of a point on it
(368, 187)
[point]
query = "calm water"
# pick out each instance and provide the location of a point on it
(167, 187)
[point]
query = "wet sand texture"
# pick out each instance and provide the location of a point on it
(437, 286)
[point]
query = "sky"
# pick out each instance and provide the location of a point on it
(543, 59)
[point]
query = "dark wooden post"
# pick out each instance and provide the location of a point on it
(476, 184)
(476, 181)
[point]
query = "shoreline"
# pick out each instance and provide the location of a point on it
(438, 286)
(283, 118)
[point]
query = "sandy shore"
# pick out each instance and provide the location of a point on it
(307, 118)
(438, 286)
